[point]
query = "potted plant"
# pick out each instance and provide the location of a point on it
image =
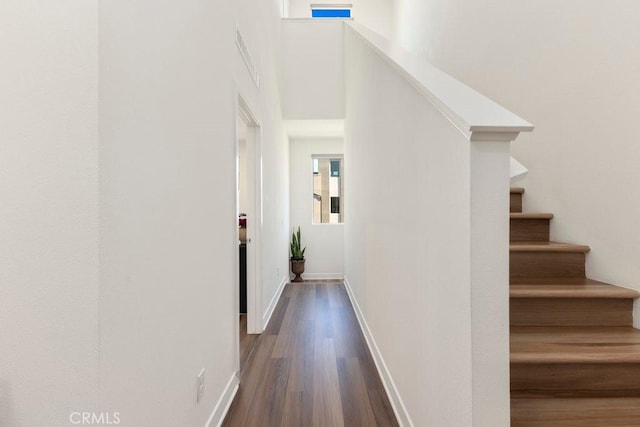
(297, 256)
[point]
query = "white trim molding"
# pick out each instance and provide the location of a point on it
(331, 6)
(322, 276)
(273, 303)
(400, 410)
(224, 402)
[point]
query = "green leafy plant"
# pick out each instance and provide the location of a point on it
(297, 251)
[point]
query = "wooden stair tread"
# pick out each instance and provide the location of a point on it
(589, 412)
(531, 215)
(575, 345)
(569, 288)
(547, 247)
(516, 190)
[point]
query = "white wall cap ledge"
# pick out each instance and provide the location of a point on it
(330, 5)
(499, 135)
(314, 20)
(476, 116)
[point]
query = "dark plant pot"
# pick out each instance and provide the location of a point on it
(297, 267)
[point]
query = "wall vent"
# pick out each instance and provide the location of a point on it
(246, 56)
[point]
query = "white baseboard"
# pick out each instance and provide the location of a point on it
(322, 276)
(224, 403)
(394, 397)
(272, 304)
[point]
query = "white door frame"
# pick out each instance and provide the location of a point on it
(254, 217)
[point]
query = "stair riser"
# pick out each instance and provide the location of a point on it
(575, 412)
(515, 202)
(528, 265)
(575, 380)
(532, 230)
(571, 312)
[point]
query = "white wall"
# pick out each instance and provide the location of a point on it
(261, 27)
(165, 137)
(324, 242)
(375, 14)
(49, 211)
(570, 68)
(423, 258)
(170, 74)
(117, 275)
(312, 69)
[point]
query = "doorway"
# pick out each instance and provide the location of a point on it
(249, 220)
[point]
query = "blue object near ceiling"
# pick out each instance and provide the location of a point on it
(331, 13)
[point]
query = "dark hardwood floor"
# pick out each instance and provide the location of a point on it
(311, 366)
(247, 341)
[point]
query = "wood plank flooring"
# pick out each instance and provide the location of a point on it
(247, 341)
(311, 367)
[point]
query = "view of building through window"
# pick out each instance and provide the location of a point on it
(328, 190)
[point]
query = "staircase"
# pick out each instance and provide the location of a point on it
(575, 357)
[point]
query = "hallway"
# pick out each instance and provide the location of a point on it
(311, 366)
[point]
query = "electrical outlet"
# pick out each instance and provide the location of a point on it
(200, 385)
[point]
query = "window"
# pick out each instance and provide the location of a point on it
(328, 189)
(331, 11)
(335, 167)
